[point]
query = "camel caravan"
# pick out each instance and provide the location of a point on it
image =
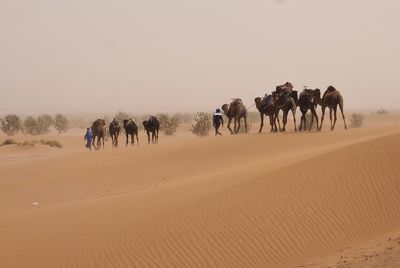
(100, 132)
(284, 99)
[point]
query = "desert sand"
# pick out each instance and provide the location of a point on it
(327, 199)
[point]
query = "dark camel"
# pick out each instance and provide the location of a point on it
(286, 102)
(266, 106)
(236, 110)
(131, 129)
(308, 100)
(152, 126)
(114, 130)
(332, 99)
(99, 131)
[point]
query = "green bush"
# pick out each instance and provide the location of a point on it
(61, 123)
(356, 120)
(45, 121)
(168, 124)
(202, 124)
(30, 126)
(10, 124)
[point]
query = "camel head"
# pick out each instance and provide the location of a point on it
(125, 122)
(257, 101)
(225, 108)
(317, 95)
(331, 88)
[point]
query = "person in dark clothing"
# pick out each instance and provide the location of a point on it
(218, 121)
(89, 138)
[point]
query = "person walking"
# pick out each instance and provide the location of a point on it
(218, 121)
(89, 138)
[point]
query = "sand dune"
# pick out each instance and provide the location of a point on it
(241, 201)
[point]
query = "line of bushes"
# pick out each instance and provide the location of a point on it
(11, 124)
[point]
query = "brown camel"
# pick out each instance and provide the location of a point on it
(99, 132)
(286, 102)
(331, 99)
(266, 106)
(152, 126)
(236, 110)
(308, 100)
(113, 130)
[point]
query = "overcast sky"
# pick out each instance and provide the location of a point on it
(182, 55)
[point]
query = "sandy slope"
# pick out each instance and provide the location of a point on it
(239, 201)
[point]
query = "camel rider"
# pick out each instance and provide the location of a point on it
(218, 121)
(89, 138)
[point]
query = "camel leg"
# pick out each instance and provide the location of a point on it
(285, 114)
(148, 137)
(274, 123)
(245, 123)
(262, 122)
(235, 125)
(229, 125)
(137, 138)
(277, 118)
(334, 117)
(127, 139)
(341, 110)
(302, 121)
(330, 117)
(313, 113)
(238, 125)
(322, 117)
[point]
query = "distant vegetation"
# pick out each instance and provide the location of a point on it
(168, 123)
(10, 124)
(381, 111)
(202, 124)
(51, 143)
(61, 123)
(356, 120)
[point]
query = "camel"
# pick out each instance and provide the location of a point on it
(131, 129)
(152, 126)
(331, 99)
(99, 132)
(236, 110)
(114, 130)
(266, 106)
(286, 102)
(308, 100)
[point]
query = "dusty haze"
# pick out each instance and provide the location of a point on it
(180, 55)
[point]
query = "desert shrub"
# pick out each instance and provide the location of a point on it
(61, 123)
(121, 116)
(202, 124)
(168, 124)
(30, 126)
(8, 142)
(10, 124)
(27, 143)
(381, 111)
(51, 143)
(44, 122)
(308, 122)
(356, 120)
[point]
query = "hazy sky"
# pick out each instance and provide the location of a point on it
(182, 55)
